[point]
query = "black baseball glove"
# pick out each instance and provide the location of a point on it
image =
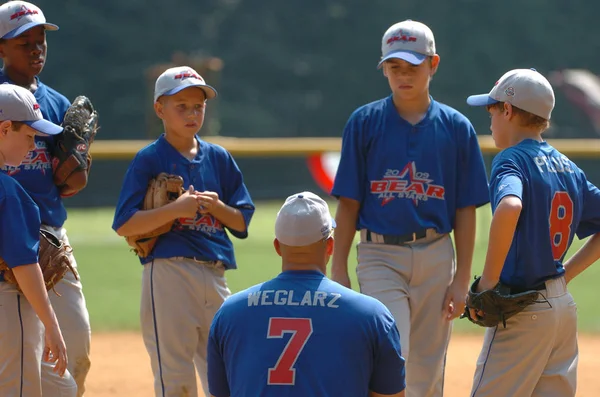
(495, 306)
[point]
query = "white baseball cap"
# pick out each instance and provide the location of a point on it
(303, 220)
(18, 104)
(176, 79)
(526, 89)
(408, 40)
(18, 16)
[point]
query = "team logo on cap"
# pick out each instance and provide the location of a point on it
(401, 35)
(23, 11)
(509, 91)
(188, 75)
(36, 106)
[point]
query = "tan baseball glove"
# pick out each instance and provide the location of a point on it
(53, 260)
(162, 190)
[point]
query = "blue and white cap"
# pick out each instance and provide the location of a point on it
(18, 104)
(526, 89)
(303, 220)
(17, 17)
(408, 40)
(179, 78)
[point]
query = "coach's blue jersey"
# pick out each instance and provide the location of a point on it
(35, 173)
(213, 169)
(558, 202)
(300, 335)
(19, 225)
(410, 177)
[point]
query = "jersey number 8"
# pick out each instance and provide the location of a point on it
(301, 329)
(561, 217)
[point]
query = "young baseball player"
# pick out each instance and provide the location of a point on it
(28, 319)
(411, 171)
(540, 200)
(23, 51)
(183, 279)
(302, 334)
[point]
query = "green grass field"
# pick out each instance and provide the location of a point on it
(111, 273)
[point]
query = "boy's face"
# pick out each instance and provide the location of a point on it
(409, 81)
(183, 112)
(26, 53)
(499, 125)
(16, 144)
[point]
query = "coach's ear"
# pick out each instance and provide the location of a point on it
(277, 246)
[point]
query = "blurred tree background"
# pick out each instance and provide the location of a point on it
(299, 68)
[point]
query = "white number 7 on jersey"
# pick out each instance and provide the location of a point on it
(301, 329)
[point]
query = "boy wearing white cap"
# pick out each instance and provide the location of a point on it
(184, 275)
(23, 49)
(411, 172)
(540, 200)
(27, 319)
(302, 334)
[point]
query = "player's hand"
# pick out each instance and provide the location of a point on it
(208, 201)
(455, 299)
(55, 350)
(186, 204)
(341, 278)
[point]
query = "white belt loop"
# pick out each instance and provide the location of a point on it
(556, 287)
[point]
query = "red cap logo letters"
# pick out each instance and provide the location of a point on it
(23, 11)
(187, 75)
(406, 183)
(401, 36)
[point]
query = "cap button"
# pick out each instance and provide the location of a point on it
(300, 196)
(533, 69)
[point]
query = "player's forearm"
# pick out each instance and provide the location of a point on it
(583, 258)
(345, 219)
(145, 221)
(464, 237)
(502, 230)
(229, 216)
(31, 281)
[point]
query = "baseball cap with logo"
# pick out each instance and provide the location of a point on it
(526, 89)
(18, 104)
(178, 78)
(408, 40)
(18, 16)
(303, 220)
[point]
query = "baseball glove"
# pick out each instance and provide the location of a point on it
(53, 260)
(162, 190)
(71, 159)
(497, 304)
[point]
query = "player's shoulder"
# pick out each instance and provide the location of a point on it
(214, 149)
(11, 187)
(370, 110)
(56, 96)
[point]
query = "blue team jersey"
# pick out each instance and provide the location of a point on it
(302, 334)
(558, 202)
(35, 173)
(410, 177)
(19, 225)
(213, 169)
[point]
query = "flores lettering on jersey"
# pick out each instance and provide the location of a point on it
(37, 159)
(203, 223)
(286, 297)
(553, 164)
(406, 183)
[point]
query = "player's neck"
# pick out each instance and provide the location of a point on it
(287, 266)
(522, 134)
(187, 146)
(20, 79)
(412, 110)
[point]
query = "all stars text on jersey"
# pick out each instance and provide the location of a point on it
(293, 298)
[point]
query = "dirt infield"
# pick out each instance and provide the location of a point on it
(120, 366)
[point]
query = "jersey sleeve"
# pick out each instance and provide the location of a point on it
(236, 194)
(590, 215)
(472, 184)
(388, 375)
(217, 373)
(133, 192)
(506, 180)
(350, 178)
(19, 226)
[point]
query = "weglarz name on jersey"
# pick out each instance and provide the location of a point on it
(289, 298)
